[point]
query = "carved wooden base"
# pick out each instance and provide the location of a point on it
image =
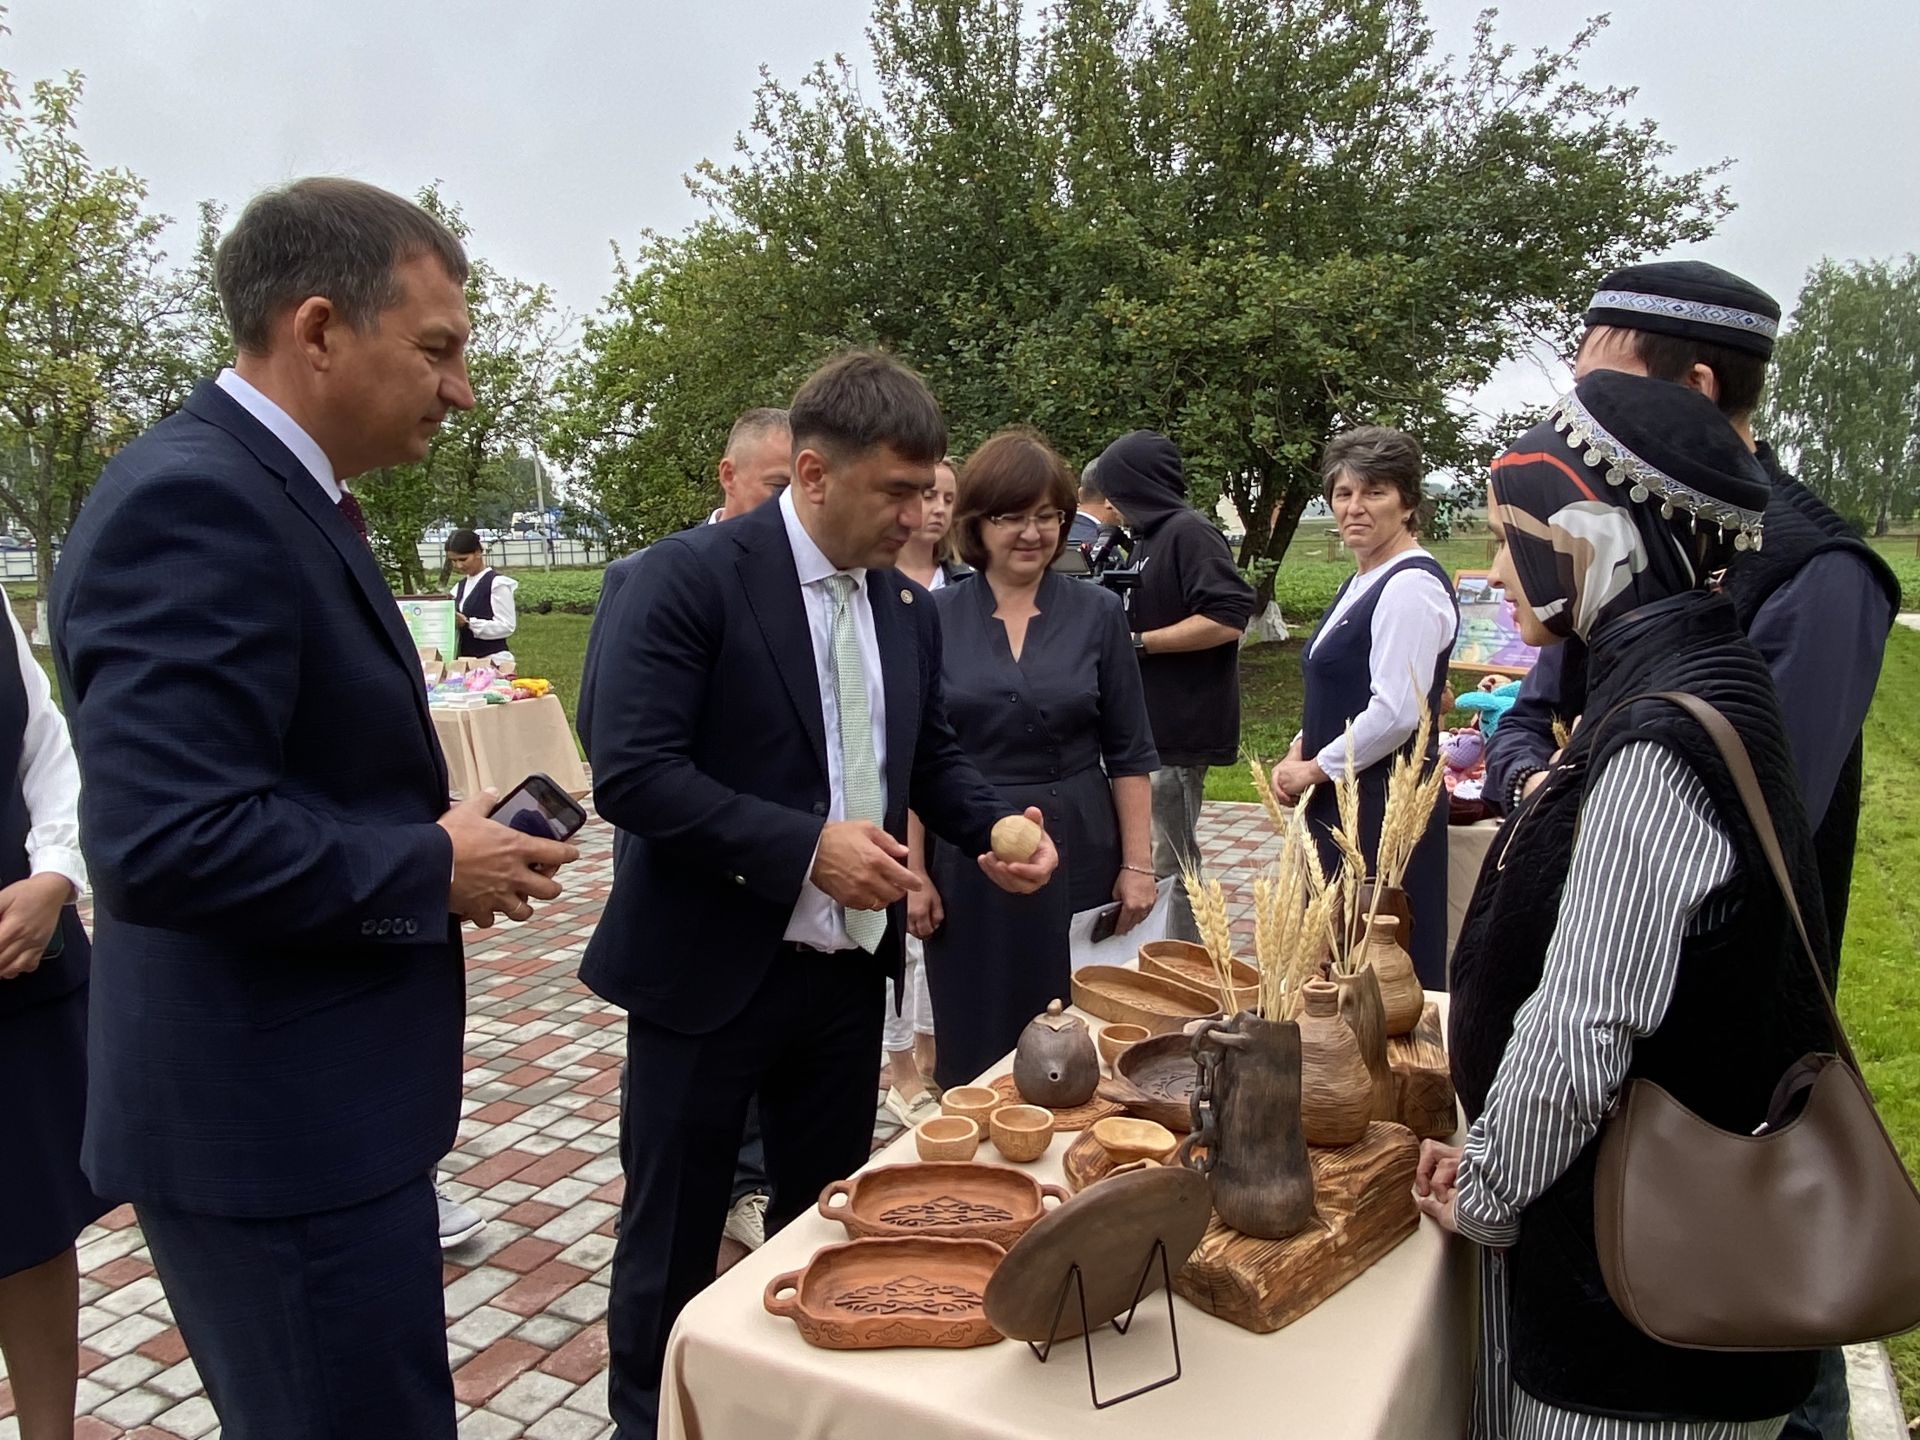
(1422, 1083)
(1364, 1195)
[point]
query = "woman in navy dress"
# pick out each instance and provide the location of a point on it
(45, 1202)
(1377, 657)
(1044, 692)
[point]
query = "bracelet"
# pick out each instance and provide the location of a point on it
(1517, 787)
(1140, 870)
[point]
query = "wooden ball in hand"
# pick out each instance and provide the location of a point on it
(1015, 838)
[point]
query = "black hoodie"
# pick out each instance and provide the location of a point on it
(1193, 697)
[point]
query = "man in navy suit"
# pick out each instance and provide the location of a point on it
(278, 990)
(768, 707)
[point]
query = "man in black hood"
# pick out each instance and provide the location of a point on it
(1187, 616)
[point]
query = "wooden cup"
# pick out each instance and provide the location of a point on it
(974, 1102)
(1021, 1132)
(946, 1137)
(1114, 1038)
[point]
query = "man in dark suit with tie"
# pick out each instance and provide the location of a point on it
(278, 990)
(768, 708)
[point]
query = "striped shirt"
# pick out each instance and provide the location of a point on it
(1648, 855)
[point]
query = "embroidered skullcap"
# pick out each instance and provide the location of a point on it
(1688, 298)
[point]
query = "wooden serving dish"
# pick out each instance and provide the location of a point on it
(1154, 1080)
(1161, 1005)
(1078, 1118)
(875, 1294)
(947, 1199)
(1189, 964)
(1422, 1081)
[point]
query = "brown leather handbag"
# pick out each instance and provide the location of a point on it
(1802, 1236)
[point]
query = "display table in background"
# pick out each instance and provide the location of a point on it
(1387, 1358)
(1467, 847)
(497, 746)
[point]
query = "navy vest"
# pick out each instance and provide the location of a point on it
(477, 604)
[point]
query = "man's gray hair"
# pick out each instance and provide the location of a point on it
(1090, 487)
(757, 424)
(326, 236)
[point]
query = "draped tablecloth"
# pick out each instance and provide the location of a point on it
(498, 746)
(1389, 1356)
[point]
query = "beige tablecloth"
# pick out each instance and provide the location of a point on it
(1388, 1356)
(1467, 847)
(498, 746)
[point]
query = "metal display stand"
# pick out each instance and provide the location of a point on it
(1157, 1254)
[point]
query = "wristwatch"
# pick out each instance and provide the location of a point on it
(1139, 642)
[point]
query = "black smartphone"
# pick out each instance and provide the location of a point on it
(539, 807)
(1105, 922)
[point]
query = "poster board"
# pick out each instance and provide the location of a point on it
(1489, 635)
(429, 619)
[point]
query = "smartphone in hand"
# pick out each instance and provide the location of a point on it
(1105, 923)
(537, 806)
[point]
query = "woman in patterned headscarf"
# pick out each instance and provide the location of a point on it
(1625, 924)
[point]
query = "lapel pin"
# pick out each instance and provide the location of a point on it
(906, 597)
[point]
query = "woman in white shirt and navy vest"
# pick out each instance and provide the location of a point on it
(1378, 655)
(482, 599)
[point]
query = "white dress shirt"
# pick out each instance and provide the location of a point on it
(505, 617)
(818, 920)
(1412, 624)
(285, 429)
(49, 776)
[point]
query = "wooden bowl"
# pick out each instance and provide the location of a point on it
(1189, 964)
(947, 1137)
(876, 1294)
(1022, 1132)
(1112, 1039)
(1126, 1139)
(1154, 1080)
(973, 1102)
(1113, 992)
(946, 1198)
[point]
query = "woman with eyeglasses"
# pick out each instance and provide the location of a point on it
(1044, 692)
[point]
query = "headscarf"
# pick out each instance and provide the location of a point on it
(1632, 503)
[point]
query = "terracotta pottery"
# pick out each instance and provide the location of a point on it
(1401, 997)
(1190, 964)
(1246, 1118)
(1393, 901)
(1154, 1080)
(1366, 1016)
(1078, 1118)
(1113, 992)
(1112, 1039)
(1022, 1132)
(876, 1294)
(975, 1102)
(1055, 1063)
(1126, 1140)
(1336, 1092)
(949, 1199)
(946, 1137)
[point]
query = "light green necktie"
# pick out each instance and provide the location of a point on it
(859, 767)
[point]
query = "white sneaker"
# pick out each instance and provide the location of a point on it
(458, 1223)
(924, 1106)
(747, 1221)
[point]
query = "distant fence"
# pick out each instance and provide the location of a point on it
(516, 554)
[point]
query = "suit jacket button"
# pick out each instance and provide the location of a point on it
(739, 879)
(819, 807)
(385, 927)
(366, 927)
(413, 927)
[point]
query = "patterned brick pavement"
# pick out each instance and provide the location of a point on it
(537, 1155)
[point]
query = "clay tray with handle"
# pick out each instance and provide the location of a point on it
(1189, 965)
(1154, 1080)
(1126, 996)
(945, 1199)
(875, 1294)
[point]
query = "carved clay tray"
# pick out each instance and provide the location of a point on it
(1154, 1079)
(1161, 1005)
(1077, 1118)
(948, 1199)
(873, 1294)
(1187, 963)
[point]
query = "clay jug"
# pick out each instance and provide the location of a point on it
(1400, 992)
(1055, 1063)
(1246, 1121)
(1366, 1016)
(1393, 901)
(1336, 1092)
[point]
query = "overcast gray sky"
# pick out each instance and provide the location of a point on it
(559, 125)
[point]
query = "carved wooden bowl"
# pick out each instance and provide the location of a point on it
(948, 1199)
(1154, 1080)
(1161, 1005)
(875, 1294)
(1189, 964)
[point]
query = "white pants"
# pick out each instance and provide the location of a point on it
(916, 1012)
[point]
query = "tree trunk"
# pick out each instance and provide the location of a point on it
(1883, 513)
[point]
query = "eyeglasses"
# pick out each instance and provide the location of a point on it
(1040, 520)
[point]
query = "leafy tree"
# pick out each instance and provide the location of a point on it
(1246, 223)
(1843, 401)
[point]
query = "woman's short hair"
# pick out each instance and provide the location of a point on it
(463, 542)
(1378, 455)
(1013, 472)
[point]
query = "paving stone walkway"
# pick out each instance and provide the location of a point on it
(537, 1155)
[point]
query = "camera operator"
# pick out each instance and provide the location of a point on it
(1108, 548)
(1188, 609)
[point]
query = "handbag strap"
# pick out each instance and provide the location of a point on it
(1733, 754)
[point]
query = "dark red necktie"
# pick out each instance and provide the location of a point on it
(356, 517)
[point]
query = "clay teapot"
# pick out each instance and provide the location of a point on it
(1055, 1063)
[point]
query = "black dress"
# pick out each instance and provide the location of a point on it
(1040, 729)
